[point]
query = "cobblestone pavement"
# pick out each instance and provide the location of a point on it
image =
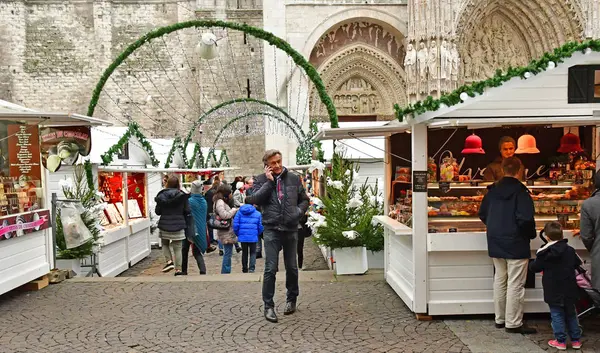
(115, 315)
(153, 264)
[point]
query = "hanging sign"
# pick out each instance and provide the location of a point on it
(24, 152)
(64, 145)
(419, 181)
(19, 225)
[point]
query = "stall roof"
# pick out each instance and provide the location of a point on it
(361, 130)
(11, 111)
(161, 170)
(539, 98)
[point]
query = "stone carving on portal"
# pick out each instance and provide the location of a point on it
(361, 80)
(356, 96)
(354, 33)
(496, 45)
(422, 58)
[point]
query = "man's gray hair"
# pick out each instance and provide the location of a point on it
(269, 154)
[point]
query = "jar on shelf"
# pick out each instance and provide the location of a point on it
(431, 170)
(448, 167)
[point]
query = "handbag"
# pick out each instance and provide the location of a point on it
(218, 223)
(190, 227)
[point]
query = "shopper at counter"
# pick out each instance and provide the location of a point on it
(507, 210)
(493, 172)
(172, 205)
(590, 230)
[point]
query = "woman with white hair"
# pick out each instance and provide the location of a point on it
(239, 196)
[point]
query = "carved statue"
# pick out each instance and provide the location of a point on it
(445, 66)
(432, 66)
(410, 67)
(455, 67)
(422, 57)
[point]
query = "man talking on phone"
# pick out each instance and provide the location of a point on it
(283, 201)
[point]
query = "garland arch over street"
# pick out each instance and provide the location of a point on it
(270, 38)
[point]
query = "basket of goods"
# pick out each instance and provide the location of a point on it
(586, 167)
(448, 167)
(431, 170)
(403, 174)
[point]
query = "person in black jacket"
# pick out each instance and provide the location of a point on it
(283, 202)
(172, 206)
(507, 211)
(208, 196)
(558, 261)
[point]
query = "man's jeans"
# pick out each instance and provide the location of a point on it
(565, 319)
(509, 291)
(228, 251)
(274, 242)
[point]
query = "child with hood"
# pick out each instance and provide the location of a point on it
(247, 224)
(558, 261)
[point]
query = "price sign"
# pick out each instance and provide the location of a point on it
(420, 179)
(24, 151)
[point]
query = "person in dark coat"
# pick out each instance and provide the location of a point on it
(208, 196)
(172, 206)
(283, 201)
(304, 232)
(590, 230)
(507, 210)
(558, 261)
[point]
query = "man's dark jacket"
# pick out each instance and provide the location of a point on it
(558, 262)
(507, 211)
(172, 206)
(284, 215)
(208, 196)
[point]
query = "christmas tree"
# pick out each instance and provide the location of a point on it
(345, 213)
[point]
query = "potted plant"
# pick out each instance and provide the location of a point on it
(81, 189)
(343, 219)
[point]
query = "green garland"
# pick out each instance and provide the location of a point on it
(304, 152)
(197, 150)
(132, 131)
(176, 143)
(534, 67)
(222, 162)
(89, 175)
(234, 101)
(298, 58)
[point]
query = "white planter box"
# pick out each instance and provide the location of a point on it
(69, 264)
(350, 261)
(375, 259)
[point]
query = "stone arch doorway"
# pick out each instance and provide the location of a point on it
(501, 33)
(361, 64)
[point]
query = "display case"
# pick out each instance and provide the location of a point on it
(454, 207)
(18, 195)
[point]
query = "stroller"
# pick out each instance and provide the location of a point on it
(589, 297)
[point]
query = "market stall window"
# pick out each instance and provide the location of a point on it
(136, 195)
(111, 185)
(20, 169)
(596, 83)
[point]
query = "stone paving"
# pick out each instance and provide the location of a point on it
(182, 315)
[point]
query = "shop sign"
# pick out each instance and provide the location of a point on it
(19, 225)
(24, 151)
(64, 145)
(420, 180)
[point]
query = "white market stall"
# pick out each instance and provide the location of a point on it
(26, 242)
(440, 266)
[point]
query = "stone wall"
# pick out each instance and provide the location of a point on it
(53, 53)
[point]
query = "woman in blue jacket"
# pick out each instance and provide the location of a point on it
(247, 225)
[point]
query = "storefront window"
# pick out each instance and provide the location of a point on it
(20, 171)
(597, 84)
(136, 195)
(111, 184)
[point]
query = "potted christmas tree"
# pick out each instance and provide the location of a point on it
(344, 222)
(81, 189)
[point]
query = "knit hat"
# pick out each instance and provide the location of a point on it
(196, 187)
(239, 185)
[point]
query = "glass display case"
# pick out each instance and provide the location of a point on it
(454, 207)
(18, 195)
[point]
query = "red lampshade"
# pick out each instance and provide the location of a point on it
(473, 145)
(570, 143)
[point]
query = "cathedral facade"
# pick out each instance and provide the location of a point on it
(371, 54)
